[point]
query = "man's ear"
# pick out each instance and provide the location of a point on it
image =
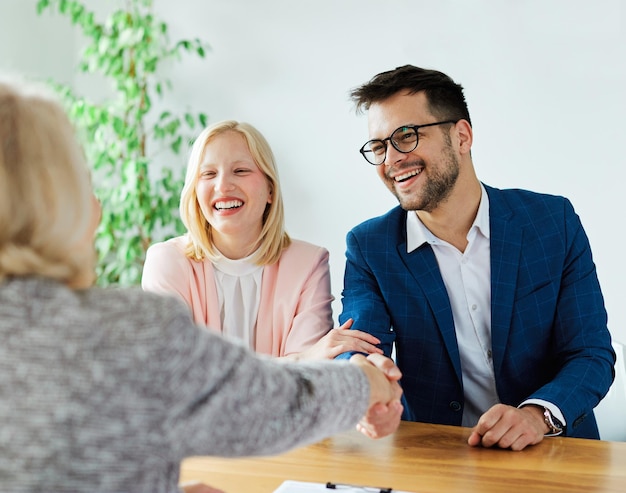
(465, 136)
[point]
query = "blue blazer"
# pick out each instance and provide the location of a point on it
(548, 322)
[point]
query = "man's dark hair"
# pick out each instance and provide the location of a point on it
(445, 97)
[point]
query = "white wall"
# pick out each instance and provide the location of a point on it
(545, 82)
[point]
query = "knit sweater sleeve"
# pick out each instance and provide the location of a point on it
(108, 390)
(221, 399)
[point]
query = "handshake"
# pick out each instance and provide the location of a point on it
(383, 414)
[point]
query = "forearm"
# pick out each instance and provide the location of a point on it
(294, 407)
(277, 405)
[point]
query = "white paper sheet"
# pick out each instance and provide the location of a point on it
(300, 487)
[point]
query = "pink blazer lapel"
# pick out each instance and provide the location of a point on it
(269, 332)
(208, 303)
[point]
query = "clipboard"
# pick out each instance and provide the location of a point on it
(303, 487)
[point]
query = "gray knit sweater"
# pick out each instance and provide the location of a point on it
(107, 390)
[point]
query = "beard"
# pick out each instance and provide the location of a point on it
(440, 182)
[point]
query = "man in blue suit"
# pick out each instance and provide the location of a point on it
(490, 296)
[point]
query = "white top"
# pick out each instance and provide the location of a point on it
(467, 277)
(238, 284)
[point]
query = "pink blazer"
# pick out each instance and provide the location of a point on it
(295, 310)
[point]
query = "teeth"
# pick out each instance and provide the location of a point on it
(408, 175)
(230, 204)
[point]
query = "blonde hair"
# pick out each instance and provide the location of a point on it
(46, 207)
(273, 238)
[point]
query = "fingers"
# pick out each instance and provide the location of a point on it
(344, 339)
(358, 334)
(491, 427)
(340, 341)
(381, 420)
(359, 359)
(345, 329)
(390, 370)
(386, 365)
(346, 334)
(383, 387)
(507, 427)
(474, 439)
(487, 421)
(347, 324)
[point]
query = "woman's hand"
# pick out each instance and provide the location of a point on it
(341, 340)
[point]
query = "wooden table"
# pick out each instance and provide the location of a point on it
(426, 458)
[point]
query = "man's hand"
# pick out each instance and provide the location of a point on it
(381, 419)
(383, 415)
(509, 427)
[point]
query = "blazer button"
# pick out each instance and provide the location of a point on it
(455, 406)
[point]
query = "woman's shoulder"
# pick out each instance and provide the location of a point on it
(106, 308)
(302, 258)
(173, 246)
(300, 249)
(125, 299)
(131, 312)
(169, 253)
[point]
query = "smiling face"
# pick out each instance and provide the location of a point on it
(233, 194)
(425, 177)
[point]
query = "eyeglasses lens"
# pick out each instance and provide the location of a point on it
(404, 139)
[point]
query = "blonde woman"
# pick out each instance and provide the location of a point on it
(236, 268)
(108, 390)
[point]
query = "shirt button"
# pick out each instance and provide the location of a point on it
(474, 307)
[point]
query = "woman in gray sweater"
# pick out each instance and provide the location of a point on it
(108, 390)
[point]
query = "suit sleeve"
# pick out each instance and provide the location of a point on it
(362, 298)
(581, 339)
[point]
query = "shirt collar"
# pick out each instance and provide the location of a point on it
(417, 234)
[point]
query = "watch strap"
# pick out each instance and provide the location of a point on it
(555, 426)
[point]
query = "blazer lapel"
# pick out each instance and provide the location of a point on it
(269, 332)
(506, 244)
(210, 303)
(423, 266)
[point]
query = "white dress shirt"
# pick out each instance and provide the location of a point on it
(238, 284)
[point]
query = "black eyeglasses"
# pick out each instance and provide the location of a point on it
(404, 139)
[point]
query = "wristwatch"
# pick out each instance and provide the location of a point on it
(556, 427)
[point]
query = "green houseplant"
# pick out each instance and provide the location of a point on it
(125, 135)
